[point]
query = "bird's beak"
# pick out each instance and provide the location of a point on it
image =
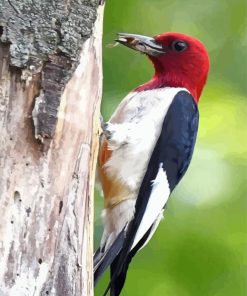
(141, 43)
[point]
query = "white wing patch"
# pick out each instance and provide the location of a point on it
(154, 227)
(158, 198)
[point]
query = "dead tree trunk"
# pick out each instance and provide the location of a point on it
(50, 90)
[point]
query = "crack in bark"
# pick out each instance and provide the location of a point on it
(17, 12)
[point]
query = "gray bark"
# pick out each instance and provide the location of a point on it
(50, 90)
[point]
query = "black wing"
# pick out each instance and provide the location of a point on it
(174, 149)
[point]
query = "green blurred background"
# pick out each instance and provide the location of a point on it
(200, 247)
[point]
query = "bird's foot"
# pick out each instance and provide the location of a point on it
(106, 128)
(115, 134)
(102, 123)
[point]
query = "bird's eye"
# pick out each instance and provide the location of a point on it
(179, 45)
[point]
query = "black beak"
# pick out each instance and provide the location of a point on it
(141, 43)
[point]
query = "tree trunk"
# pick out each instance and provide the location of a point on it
(50, 90)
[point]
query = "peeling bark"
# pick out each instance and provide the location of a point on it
(50, 89)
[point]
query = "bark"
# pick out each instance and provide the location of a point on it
(50, 90)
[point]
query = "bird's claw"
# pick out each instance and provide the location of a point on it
(102, 123)
(105, 128)
(108, 132)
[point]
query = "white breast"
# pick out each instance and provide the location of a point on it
(140, 115)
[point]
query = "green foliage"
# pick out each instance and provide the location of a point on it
(200, 246)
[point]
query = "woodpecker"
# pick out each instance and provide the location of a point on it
(147, 146)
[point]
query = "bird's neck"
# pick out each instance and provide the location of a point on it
(169, 80)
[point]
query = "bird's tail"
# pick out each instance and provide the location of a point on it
(118, 277)
(120, 264)
(104, 258)
(119, 268)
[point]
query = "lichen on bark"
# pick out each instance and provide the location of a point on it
(46, 36)
(36, 29)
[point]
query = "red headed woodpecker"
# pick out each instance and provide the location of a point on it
(147, 147)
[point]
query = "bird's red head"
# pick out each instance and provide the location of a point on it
(179, 60)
